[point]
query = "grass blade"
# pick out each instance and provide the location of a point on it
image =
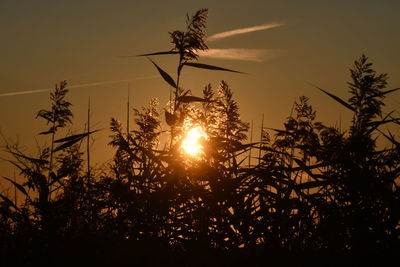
(8, 201)
(390, 138)
(165, 75)
(17, 185)
(33, 160)
(73, 137)
(159, 53)
(67, 144)
(389, 91)
(209, 67)
(338, 99)
(47, 132)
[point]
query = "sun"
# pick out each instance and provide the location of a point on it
(192, 143)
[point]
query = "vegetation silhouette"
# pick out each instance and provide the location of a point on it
(314, 195)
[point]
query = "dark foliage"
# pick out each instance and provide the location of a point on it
(314, 195)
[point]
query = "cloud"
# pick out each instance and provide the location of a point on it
(25, 92)
(243, 31)
(244, 54)
(79, 85)
(70, 86)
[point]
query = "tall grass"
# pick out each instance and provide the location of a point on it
(312, 188)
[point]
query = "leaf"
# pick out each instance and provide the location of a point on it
(8, 201)
(390, 138)
(341, 101)
(70, 140)
(239, 146)
(279, 131)
(67, 144)
(37, 161)
(376, 124)
(157, 53)
(275, 151)
(17, 185)
(208, 67)
(389, 91)
(189, 98)
(306, 168)
(170, 118)
(48, 132)
(165, 75)
(73, 137)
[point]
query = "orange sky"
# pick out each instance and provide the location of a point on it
(43, 42)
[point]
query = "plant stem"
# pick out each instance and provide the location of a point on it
(127, 115)
(88, 140)
(51, 156)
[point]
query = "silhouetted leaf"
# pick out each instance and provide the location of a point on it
(209, 67)
(275, 151)
(170, 118)
(391, 138)
(70, 140)
(341, 101)
(17, 185)
(239, 146)
(376, 124)
(165, 75)
(8, 201)
(67, 144)
(47, 132)
(158, 53)
(389, 91)
(307, 169)
(33, 160)
(279, 131)
(74, 137)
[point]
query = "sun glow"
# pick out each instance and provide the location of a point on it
(192, 144)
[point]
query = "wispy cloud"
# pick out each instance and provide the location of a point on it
(25, 92)
(262, 27)
(243, 54)
(70, 86)
(79, 85)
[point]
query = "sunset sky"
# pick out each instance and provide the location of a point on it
(284, 46)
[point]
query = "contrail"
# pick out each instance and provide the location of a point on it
(243, 30)
(25, 92)
(244, 54)
(71, 86)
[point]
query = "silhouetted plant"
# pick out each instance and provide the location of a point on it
(361, 178)
(59, 115)
(312, 188)
(52, 193)
(205, 193)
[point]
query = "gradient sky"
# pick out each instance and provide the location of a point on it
(44, 42)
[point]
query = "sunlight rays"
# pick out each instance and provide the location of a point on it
(192, 142)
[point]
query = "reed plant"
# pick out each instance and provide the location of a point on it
(312, 190)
